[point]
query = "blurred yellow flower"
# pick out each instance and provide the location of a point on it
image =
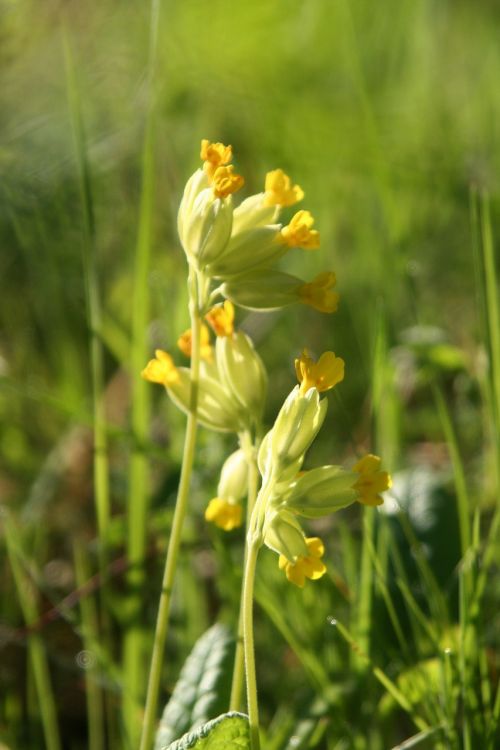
(279, 190)
(298, 232)
(221, 318)
(309, 566)
(222, 513)
(185, 343)
(318, 292)
(161, 370)
(225, 181)
(323, 374)
(372, 480)
(214, 155)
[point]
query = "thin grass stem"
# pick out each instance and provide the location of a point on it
(175, 535)
(36, 647)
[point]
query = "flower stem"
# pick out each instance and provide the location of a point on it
(239, 657)
(253, 545)
(175, 536)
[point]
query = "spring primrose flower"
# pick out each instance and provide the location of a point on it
(318, 292)
(323, 374)
(225, 510)
(298, 232)
(372, 481)
(305, 566)
(279, 190)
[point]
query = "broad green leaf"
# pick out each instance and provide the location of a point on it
(227, 732)
(203, 688)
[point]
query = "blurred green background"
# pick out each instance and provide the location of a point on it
(388, 116)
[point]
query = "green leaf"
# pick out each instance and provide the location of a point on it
(203, 688)
(228, 732)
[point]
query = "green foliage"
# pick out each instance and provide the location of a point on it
(202, 689)
(224, 733)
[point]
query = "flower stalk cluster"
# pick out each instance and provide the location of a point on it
(233, 254)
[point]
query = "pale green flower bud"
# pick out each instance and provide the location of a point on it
(284, 535)
(233, 482)
(262, 289)
(249, 249)
(252, 213)
(206, 227)
(216, 408)
(197, 182)
(242, 372)
(296, 426)
(321, 491)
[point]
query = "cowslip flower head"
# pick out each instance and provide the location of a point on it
(279, 190)
(298, 232)
(161, 369)
(185, 343)
(214, 155)
(372, 481)
(305, 566)
(318, 292)
(221, 319)
(223, 513)
(323, 374)
(226, 181)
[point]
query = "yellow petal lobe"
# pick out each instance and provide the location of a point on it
(221, 318)
(372, 481)
(298, 232)
(225, 515)
(225, 181)
(318, 292)
(309, 566)
(161, 369)
(185, 343)
(279, 190)
(214, 155)
(323, 374)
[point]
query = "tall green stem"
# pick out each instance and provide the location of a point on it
(175, 536)
(253, 545)
(239, 657)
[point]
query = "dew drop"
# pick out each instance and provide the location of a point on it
(331, 620)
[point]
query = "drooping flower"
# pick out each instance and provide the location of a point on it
(372, 481)
(279, 190)
(161, 369)
(318, 292)
(223, 513)
(185, 343)
(298, 232)
(323, 374)
(306, 566)
(221, 319)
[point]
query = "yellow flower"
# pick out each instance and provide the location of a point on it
(280, 191)
(161, 370)
(225, 515)
(322, 375)
(214, 155)
(225, 182)
(221, 318)
(318, 292)
(372, 480)
(299, 233)
(184, 342)
(309, 566)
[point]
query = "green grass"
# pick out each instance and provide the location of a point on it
(388, 122)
